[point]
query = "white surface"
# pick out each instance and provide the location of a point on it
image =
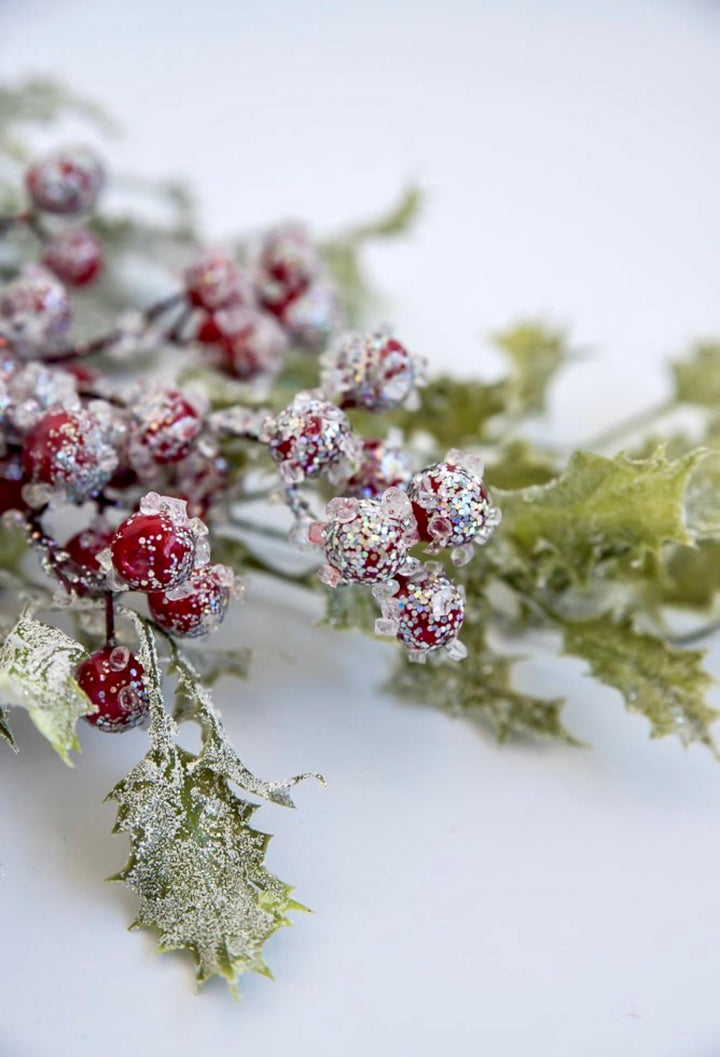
(469, 899)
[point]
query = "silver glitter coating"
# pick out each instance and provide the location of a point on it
(34, 311)
(373, 371)
(363, 542)
(426, 612)
(383, 464)
(451, 504)
(310, 436)
(214, 281)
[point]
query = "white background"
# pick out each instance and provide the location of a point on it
(469, 898)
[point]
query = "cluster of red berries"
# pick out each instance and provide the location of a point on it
(160, 551)
(248, 319)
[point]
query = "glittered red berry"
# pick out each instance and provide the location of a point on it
(424, 611)
(365, 541)
(373, 371)
(152, 552)
(163, 426)
(383, 464)
(35, 311)
(72, 451)
(83, 549)
(75, 256)
(198, 605)
(287, 264)
(310, 436)
(114, 680)
(251, 343)
(214, 280)
(66, 182)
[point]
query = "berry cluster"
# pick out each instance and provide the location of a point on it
(151, 457)
(249, 319)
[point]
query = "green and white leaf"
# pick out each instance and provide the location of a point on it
(665, 684)
(37, 663)
(196, 864)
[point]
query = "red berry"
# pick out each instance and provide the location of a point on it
(75, 256)
(164, 425)
(450, 502)
(34, 311)
(152, 552)
(251, 342)
(114, 680)
(198, 605)
(83, 549)
(310, 436)
(71, 451)
(366, 541)
(288, 263)
(383, 465)
(373, 371)
(67, 182)
(429, 611)
(12, 482)
(214, 280)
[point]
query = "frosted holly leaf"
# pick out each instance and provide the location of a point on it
(697, 379)
(481, 689)
(665, 684)
(5, 733)
(196, 864)
(600, 509)
(37, 663)
(536, 352)
(455, 412)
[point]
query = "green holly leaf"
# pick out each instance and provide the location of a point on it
(454, 411)
(536, 353)
(197, 865)
(601, 508)
(697, 379)
(37, 663)
(517, 464)
(691, 575)
(665, 684)
(480, 688)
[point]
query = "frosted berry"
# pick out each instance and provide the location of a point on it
(310, 436)
(155, 548)
(83, 549)
(312, 317)
(198, 605)
(214, 281)
(365, 541)
(287, 264)
(12, 481)
(114, 680)
(34, 389)
(66, 182)
(75, 256)
(34, 311)
(372, 371)
(70, 450)
(250, 343)
(163, 426)
(425, 611)
(383, 464)
(451, 504)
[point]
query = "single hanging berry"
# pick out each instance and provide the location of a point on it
(114, 680)
(373, 371)
(214, 281)
(71, 451)
(424, 611)
(163, 425)
(452, 506)
(75, 256)
(383, 464)
(159, 546)
(67, 182)
(34, 311)
(309, 437)
(249, 343)
(83, 549)
(287, 264)
(198, 605)
(365, 541)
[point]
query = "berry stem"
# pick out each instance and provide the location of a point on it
(106, 341)
(110, 639)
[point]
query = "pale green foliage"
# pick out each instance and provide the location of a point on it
(666, 685)
(536, 352)
(196, 864)
(37, 663)
(599, 509)
(697, 379)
